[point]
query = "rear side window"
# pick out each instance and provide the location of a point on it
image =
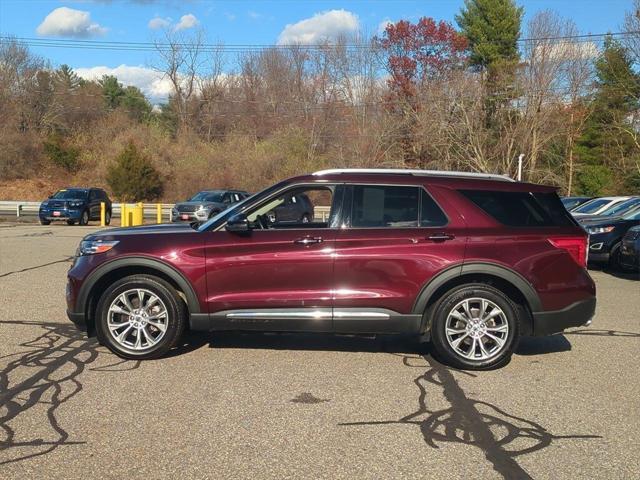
(376, 206)
(522, 209)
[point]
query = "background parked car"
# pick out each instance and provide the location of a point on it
(605, 236)
(630, 250)
(205, 204)
(75, 205)
(597, 206)
(572, 202)
(295, 208)
(617, 210)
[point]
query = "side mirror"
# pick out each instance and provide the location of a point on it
(238, 223)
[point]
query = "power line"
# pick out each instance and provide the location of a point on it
(209, 47)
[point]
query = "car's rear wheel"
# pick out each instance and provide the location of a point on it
(44, 221)
(107, 217)
(306, 218)
(84, 218)
(140, 317)
(475, 327)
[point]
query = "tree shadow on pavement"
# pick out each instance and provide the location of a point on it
(501, 436)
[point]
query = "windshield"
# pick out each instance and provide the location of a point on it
(69, 194)
(633, 214)
(592, 206)
(207, 197)
(620, 208)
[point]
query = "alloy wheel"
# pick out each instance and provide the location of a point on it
(477, 329)
(137, 319)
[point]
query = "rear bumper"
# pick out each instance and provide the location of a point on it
(575, 315)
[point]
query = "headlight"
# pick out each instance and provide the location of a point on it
(75, 204)
(595, 230)
(91, 247)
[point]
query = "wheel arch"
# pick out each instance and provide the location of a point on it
(112, 271)
(504, 279)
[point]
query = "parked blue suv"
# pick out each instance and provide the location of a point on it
(75, 205)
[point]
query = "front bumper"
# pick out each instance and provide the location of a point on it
(78, 319)
(64, 214)
(575, 315)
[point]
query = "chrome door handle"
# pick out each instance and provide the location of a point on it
(308, 240)
(441, 237)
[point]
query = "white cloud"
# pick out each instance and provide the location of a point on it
(382, 26)
(187, 21)
(153, 84)
(67, 22)
(322, 26)
(564, 51)
(156, 23)
(254, 15)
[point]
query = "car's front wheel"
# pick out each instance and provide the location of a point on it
(475, 327)
(140, 317)
(44, 221)
(84, 218)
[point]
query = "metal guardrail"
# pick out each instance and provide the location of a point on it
(30, 209)
(19, 209)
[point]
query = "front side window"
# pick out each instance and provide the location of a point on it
(301, 207)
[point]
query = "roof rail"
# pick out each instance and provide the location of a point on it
(426, 173)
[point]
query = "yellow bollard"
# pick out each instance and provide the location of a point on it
(159, 213)
(103, 214)
(138, 214)
(123, 215)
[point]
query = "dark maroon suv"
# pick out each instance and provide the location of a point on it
(470, 261)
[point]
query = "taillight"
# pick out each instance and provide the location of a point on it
(575, 246)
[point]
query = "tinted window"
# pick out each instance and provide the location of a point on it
(207, 197)
(521, 209)
(385, 206)
(430, 213)
(621, 208)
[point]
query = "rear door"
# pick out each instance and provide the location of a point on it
(94, 204)
(394, 239)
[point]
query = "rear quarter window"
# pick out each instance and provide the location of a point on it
(522, 209)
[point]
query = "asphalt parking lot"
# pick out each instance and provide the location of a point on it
(279, 406)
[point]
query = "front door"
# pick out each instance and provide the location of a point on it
(278, 276)
(395, 239)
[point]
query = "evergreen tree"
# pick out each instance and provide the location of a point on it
(132, 177)
(112, 91)
(66, 79)
(604, 142)
(492, 28)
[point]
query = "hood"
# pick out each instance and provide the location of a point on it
(600, 221)
(207, 204)
(163, 228)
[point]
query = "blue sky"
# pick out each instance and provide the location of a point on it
(240, 22)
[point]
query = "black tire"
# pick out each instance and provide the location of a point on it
(44, 221)
(84, 218)
(175, 319)
(614, 257)
(214, 213)
(71, 222)
(446, 353)
(305, 218)
(107, 217)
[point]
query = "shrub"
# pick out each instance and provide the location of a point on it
(62, 155)
(593, 180)
(132, 177)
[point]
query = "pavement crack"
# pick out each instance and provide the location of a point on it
(67, 259)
